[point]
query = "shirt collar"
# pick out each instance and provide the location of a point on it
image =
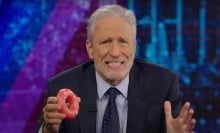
(103, 86)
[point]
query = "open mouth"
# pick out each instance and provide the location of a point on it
(114, 64)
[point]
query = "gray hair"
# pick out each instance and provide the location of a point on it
(110, 11)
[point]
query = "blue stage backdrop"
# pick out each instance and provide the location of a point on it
(40, 38)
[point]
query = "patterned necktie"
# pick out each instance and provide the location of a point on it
(110, 122)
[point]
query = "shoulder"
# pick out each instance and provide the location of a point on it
(76, 78)
(74, 73)
(151, 69)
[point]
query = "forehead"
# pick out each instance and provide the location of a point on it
(112, 25)
(111, 20)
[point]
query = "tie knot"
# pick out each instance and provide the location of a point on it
(112, 92)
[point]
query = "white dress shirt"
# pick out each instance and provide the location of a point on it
(121, 102)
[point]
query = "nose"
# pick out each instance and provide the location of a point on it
(115, 49)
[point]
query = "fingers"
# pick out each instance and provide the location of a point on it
(79, 99)
(51, 109)
(52, 100)
(52, 117)
(185, 109)
(52, 105)
(192, 124)
(183, 123)
(186, 115)
(167, 110)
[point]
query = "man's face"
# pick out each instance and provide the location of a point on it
(112, 48)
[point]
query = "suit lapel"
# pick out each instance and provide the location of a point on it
(88, 108)
(136, 104)
(137, 91)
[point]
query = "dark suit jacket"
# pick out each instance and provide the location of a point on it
(149, 86)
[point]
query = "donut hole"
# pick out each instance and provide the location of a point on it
(67, 104)
(69, 101)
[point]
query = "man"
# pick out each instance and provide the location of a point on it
(146, 91)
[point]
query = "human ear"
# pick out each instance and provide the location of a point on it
(89, 49)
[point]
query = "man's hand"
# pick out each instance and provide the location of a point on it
(52, 117)
(184, 123)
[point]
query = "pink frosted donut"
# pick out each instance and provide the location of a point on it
(69, 103)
